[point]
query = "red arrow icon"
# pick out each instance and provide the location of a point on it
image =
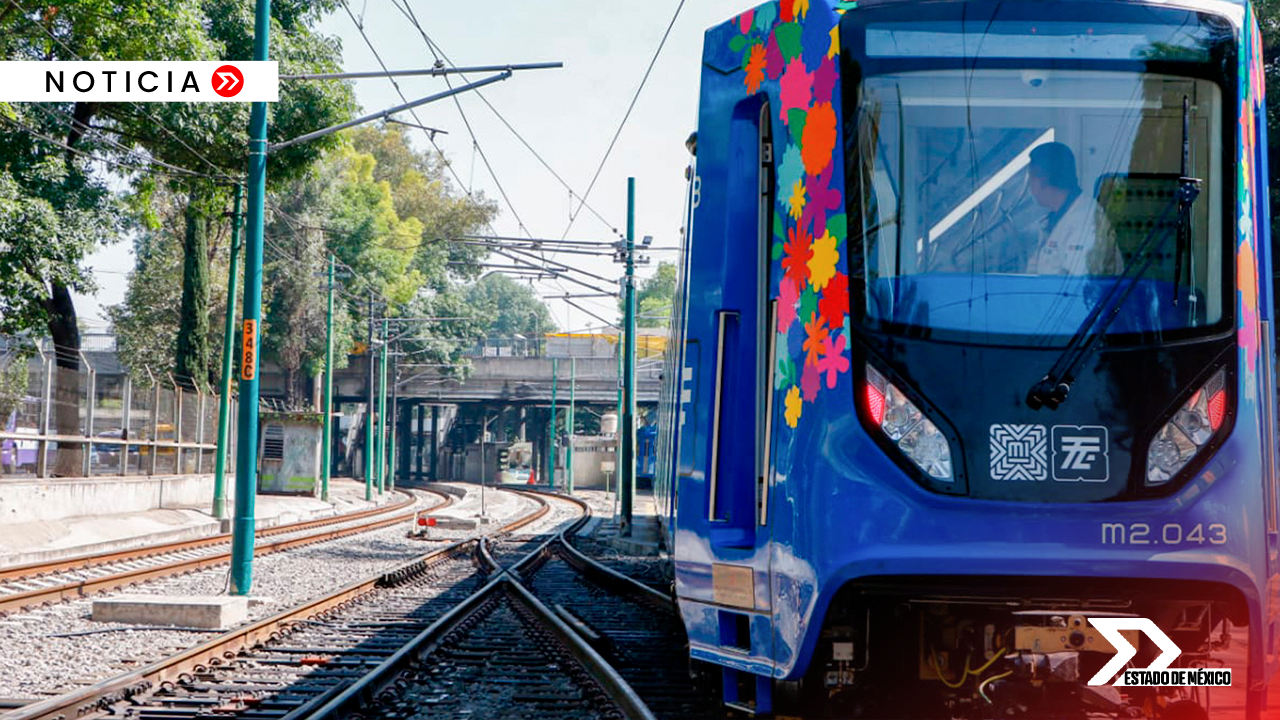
(227, 81)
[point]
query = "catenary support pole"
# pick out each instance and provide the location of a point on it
(369, 451)
(551, 432)
(326, 453)
(627, 473)
(382, 411)
(568, 451)
(435, 443)
(247, 430)
(395, 426)
(228, 366)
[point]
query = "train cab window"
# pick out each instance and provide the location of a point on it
(1007, 166)
(996, 189)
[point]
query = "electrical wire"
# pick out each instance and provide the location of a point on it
(440, 55)
(634, 99)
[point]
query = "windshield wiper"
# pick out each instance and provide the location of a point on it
(1052, 390)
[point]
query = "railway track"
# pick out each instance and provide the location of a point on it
(46, 583)
(633, 626)
(465, 630)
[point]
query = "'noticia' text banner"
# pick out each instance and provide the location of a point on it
(139, 81)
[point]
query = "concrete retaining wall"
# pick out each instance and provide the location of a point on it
(28, 500)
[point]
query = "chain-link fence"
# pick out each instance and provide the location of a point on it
(79, 413)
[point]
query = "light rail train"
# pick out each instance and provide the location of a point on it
(972, 370)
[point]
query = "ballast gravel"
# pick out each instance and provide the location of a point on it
(53, 650)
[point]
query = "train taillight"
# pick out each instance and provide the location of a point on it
(1189, 430)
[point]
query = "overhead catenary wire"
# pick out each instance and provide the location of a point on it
(441, 56)
(627, 116)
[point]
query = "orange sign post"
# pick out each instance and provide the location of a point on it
(249, 360)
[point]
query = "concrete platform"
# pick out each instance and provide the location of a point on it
(32, 540)
(205, 613)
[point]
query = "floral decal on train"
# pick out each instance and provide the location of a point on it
(1252, 93)
(796, 44)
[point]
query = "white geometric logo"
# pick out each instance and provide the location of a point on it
(1080, 453)
(1110, 629)
(1019, 452)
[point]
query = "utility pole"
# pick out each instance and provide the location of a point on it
(382, 411)
(627, 473)
(228, 339)
(327, 452)
(369, 413)
(568, 451)
(551, 435)
(247, 430)
(395, 421)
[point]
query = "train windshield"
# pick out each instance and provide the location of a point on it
(1003, 188)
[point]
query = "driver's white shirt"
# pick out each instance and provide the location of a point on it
(1081, 243)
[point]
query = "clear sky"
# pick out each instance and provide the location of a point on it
(568, 115)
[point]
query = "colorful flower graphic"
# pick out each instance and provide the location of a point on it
(824, 82)
(797, 199)
(791, 171)
(815, 332)
(787, 299)
(794, 406)
(796, 254)
(819, 138)
(835, 301)
(823, 199)
(797, 91)
(833, 361)
(796, 44)
(822, 265)
(755, 69)
(810, 382)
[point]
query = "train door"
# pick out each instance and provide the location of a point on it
(1270, 403)
(741, 424)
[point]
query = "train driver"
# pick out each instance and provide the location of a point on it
(1075, 237)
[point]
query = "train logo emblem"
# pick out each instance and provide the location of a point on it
(1080, 453)
(1018, 452)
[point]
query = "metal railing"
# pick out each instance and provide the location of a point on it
(86, 416)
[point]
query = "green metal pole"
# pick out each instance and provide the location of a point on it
(382, 413)
(551, 443)
(369, 413)
(395, 423)
(327, 453)
(627, 473)
(228, 338)
(568, 452)
(247, 432)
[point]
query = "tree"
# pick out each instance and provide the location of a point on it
(508, 308)
(147, 323)
(655, 298)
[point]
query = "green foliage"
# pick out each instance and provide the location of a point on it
(52, 214)
(508, 308)
(421, 189)
(655, 298)
(147, 323)
(13, 381)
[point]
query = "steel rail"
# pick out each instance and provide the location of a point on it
(98, 698)
(78, 562)
(349, 701)
(88, 586)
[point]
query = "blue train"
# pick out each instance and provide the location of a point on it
(972, 403)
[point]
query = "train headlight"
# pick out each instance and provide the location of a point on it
(902, 422)
(1190, 429)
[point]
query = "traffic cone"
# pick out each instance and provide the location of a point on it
(533, 476)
